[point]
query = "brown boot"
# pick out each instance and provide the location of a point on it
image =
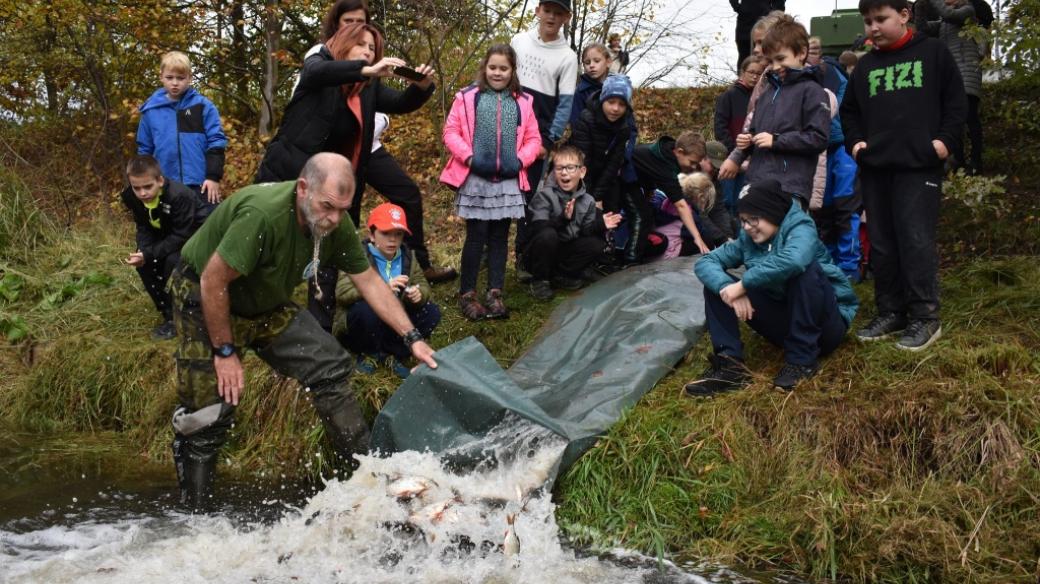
(439, 274)
(471, 307)
(496, 308)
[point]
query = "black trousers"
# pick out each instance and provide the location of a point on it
(154, 275)
(534, 176)
(547, 256)
(385, 175)
(743, 35)
(481, 235)
(639, 216)
(974, 135)
(806, 323)
(902, 215)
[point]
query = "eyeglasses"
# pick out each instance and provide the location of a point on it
(749, 221)
(568, 168)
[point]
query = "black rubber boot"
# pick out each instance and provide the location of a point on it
(344, 424)
(197, 488)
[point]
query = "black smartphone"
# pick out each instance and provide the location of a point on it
(409, 73)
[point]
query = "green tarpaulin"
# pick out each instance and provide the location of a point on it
(597, 354)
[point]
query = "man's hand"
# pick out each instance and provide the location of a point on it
(135, 259)
(763, 140)
(856, 148)
(742, 307)
(399, 283)
(424, 354)
(732, 292)
(743, 141)
(729, 170)
(211, 189)
(940, 149)
(229, 378)
(611, 220)
(568, 210)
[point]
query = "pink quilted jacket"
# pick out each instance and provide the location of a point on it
(458, 136)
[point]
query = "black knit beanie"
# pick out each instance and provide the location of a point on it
(767, 200)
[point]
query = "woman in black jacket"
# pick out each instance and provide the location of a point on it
(333, 110)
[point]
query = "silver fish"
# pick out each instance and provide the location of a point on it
(511, 543)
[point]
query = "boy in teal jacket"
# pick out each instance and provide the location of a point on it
(791, 293)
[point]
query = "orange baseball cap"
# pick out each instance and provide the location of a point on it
(388, 216)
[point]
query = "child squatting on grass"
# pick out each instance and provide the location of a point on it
(791, 293)
(371, 339)
(567, 229)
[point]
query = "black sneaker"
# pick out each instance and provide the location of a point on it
(791, 375)
(884, 325)
(591, 276)
(919, 335)
(541, 290)
(164, 332)
(723, 375)
(566, 283)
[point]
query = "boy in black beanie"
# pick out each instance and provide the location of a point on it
(791, 293)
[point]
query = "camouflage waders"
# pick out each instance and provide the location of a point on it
(287, 339)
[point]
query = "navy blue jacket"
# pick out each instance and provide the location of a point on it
(184, 136)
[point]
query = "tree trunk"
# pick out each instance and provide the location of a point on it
(272, 38)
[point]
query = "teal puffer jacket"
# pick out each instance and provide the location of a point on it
(771, 265)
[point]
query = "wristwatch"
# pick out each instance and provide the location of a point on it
(411, 337)
(224, 351)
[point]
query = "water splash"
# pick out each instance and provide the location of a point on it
(410, 517)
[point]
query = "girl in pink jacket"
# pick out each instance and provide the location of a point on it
(492, 136)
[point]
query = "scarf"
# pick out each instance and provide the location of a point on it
(494, 136)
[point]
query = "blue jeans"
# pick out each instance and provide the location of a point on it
(806, 323)
(368, 335)
(731, 192)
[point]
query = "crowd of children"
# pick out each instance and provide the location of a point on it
(804, 145)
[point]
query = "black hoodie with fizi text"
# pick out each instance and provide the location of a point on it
(899, 101)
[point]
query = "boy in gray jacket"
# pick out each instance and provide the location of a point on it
(792, 118)
(566, 227)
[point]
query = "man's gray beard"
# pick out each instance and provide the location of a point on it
(312, 223)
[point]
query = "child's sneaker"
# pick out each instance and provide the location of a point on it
(567, 283)
(541, 290)
(884, 325)
(365, 364)
(471, 307)
(164, 332)
(791, 375)
(723, 375)
(400, 369)
(495, 306)
(920, 334)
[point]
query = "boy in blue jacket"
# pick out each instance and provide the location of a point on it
(181, 129)
(791, 293)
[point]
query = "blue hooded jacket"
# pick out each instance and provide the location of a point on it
(184, 136)
(771, 265)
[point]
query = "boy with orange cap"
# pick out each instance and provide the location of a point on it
(357, 326)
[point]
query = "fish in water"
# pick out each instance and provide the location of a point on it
(409, 487)
(511, 543)
(436, 512)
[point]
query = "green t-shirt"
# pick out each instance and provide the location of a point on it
(256, 233)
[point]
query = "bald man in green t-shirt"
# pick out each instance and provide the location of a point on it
(233, 291)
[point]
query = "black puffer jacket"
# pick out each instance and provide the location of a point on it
(607, 146)
(179, 216)
(317, 120)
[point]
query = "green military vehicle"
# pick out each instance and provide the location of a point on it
(838, 31)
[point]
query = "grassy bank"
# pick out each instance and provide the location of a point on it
(886, 467)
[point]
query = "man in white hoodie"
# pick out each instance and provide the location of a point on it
(548, 70)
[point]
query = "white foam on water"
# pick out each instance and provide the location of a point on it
(443, 528)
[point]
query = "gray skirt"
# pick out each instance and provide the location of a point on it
(479, 198)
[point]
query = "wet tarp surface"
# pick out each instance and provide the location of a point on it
(597, 354)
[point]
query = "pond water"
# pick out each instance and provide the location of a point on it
(73, 510)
